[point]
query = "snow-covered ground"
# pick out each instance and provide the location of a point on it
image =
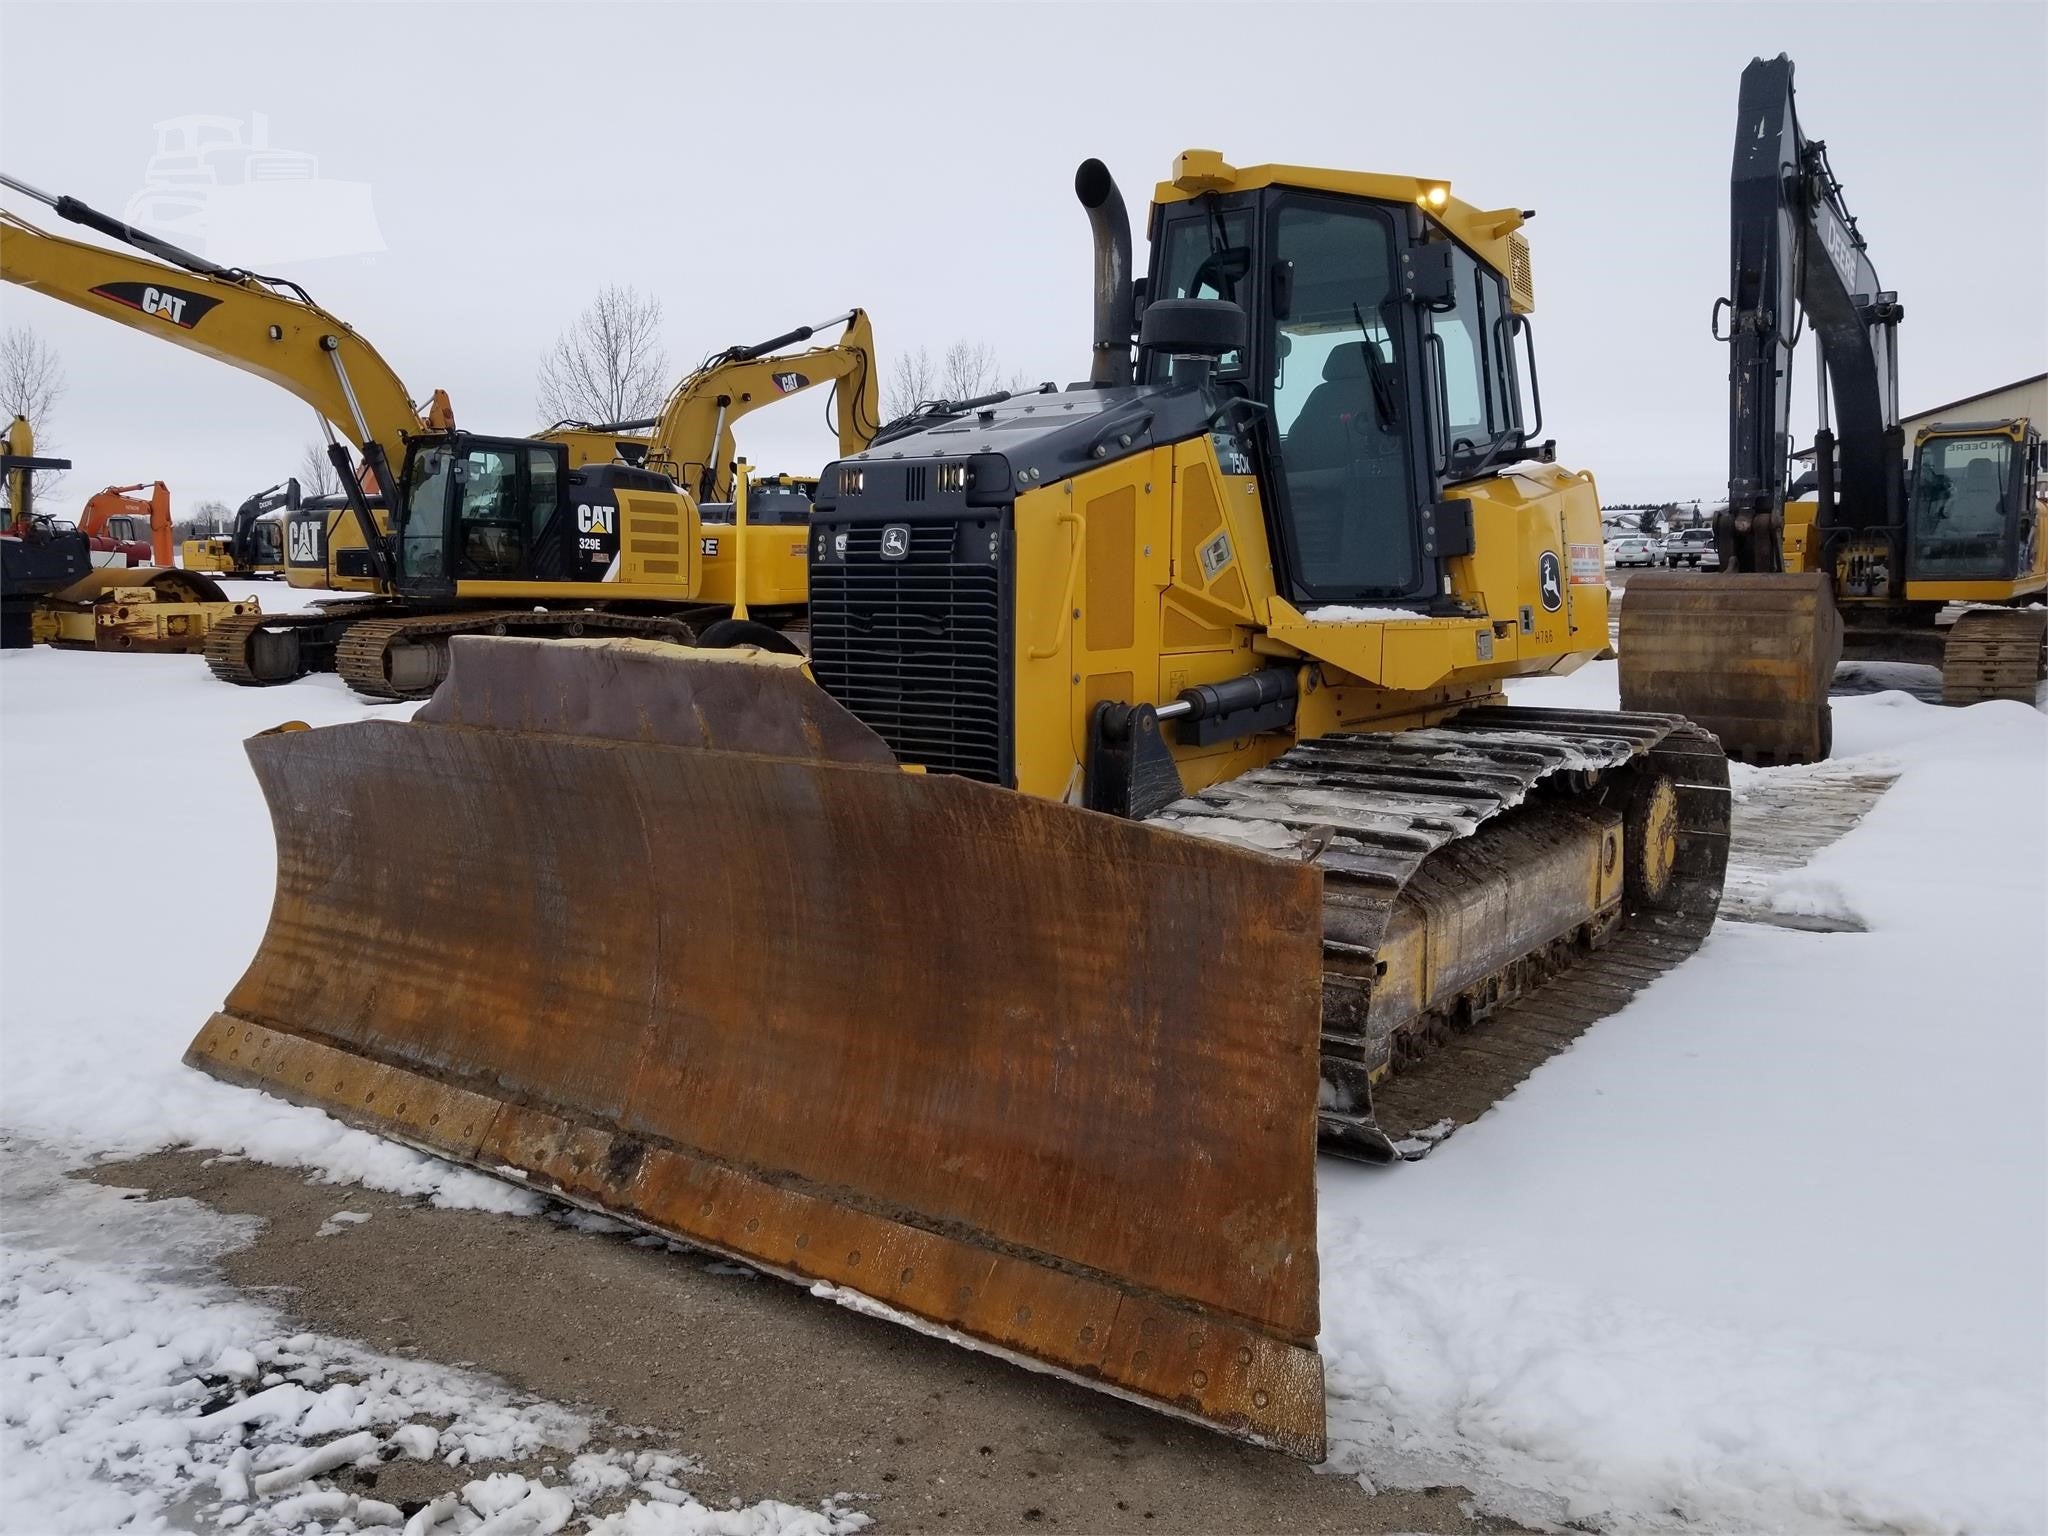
(1766, 1251)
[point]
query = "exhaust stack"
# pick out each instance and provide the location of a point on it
(1115, 317)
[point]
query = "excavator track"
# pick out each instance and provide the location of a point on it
(365, 656)
(1388, 816)
(1995, 653)
(231, 648)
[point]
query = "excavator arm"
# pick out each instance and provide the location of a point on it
(1749, 651)
(115, 500)
(1796, 255)
(693, 436)
(265, 326)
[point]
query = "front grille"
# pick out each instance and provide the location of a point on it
(917, 647)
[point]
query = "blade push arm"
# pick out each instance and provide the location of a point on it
(1796, 254)
(693, 435)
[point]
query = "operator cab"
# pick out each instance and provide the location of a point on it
(508, 510)
(1972, 493)
(1381, 368)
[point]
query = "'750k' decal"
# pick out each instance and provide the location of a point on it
(182, 309)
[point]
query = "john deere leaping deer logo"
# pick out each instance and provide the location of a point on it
(1550, 580)
(182, 309)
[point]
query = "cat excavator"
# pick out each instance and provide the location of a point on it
(1147, 813)
(477, 533)
(1871, 564)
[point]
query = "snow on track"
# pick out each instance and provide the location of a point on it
(1765, 1251)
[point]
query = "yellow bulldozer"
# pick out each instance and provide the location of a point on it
(583, 530)
(1876, 565)
(1146, 815)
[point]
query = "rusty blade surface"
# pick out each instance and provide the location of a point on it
(1039, 1076)
(1750, 657)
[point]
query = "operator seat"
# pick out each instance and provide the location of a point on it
(1975, 509)
(1346, 483)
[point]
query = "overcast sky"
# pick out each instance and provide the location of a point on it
(761, 166)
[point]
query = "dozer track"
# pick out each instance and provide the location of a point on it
(1407, 828)
(406, 658)
(1995, 653)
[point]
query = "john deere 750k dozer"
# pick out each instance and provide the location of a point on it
(1146, 811)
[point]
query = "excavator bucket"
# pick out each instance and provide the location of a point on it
(669, 934)
(1749, 657)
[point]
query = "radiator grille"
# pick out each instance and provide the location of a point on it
(916, 647)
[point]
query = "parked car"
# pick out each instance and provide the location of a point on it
(1693, 546)
(1632, 549)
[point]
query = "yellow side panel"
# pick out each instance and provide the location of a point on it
(1217, 535)
(1796, 542)
(1974, 591)
(1111, 598)
(657, 542)
(778, 565)
(1181, 631)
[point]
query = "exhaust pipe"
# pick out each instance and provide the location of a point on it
(1115, 315)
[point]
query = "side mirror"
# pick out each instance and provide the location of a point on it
(1137, 297)
(1283, 289)
(1427, 277)
(1193, 328)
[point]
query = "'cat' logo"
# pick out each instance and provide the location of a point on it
(790, 383)
(182, 309)
(303, 540)
(596, 519)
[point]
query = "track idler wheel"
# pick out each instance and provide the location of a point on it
(1649, 832)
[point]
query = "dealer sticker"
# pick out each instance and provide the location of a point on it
(1589, 565)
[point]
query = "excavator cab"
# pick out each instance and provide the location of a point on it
(482, 510)
(1970, 514)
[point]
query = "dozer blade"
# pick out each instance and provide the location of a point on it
(1749, 657)
(668, 933)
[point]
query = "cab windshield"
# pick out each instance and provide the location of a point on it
(422, 549)
(1960, 529)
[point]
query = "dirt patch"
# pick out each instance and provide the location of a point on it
(783, 1395)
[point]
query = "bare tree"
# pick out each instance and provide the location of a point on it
(31, 384)
(609, 365)
(964, 371)
(206, 519)
(912, 381)
(316, 472)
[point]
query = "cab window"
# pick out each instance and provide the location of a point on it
(1959, 508)
(421, 550)
(1206, 254)
(490, 523)
(1339, 403)
(1475, 377)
